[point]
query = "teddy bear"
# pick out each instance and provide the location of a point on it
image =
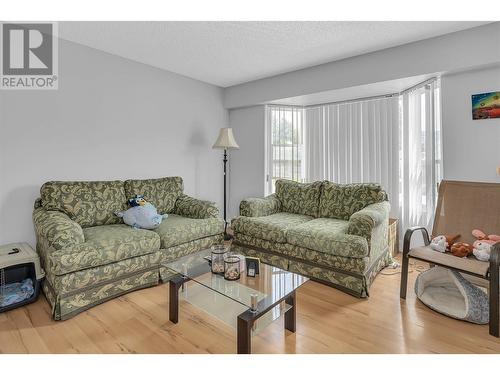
(483, 244)
(442, 242)
(141, 214)
(461, 249)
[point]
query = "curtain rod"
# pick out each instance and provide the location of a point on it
(433, 79)
(366, 98)
(339, 102)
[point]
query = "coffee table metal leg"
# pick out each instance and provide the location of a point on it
(175, 283)
(244, 335)
(291, 315)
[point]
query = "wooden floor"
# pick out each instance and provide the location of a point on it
(328, 321)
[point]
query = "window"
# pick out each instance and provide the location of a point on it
(285, 145)
(393, 140)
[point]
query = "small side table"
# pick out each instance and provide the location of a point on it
(18, 261)
(393, 237)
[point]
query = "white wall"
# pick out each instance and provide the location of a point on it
(471, 148)
(246, 177)
(111, 118)
(451, 52)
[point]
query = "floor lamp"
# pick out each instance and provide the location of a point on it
(225, 141)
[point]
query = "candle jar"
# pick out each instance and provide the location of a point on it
(232, 268)
(218, 256)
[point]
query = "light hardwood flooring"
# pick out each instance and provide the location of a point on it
(328, 321)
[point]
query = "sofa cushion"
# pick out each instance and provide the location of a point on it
(89, 203)
(341, 201)
(161, 192)
(251, 241)
(177, 230)
(272, 228)
(328, 236)
(299, 198)
(103, 245)
(355, 265)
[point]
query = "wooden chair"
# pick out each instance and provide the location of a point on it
(461, 207)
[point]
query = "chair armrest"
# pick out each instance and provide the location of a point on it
(57, 228)
(260, 206)
(195, 208)
(362, 222)
(409, 233)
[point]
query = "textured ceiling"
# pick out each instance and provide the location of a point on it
(229, 53)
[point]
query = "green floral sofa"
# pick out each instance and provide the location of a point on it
(332, 233)
(90, 256)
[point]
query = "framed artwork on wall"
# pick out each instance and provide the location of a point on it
(486, 105)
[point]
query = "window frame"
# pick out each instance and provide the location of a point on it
(270, 110)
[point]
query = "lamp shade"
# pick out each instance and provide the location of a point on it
(226, 139)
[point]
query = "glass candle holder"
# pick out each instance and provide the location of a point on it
(232, 268)
(218, 256)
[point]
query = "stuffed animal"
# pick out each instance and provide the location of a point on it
(141, 214)
(483, 244)
(482, 251)
(442, 243)
(481, 236)
(439, 243)
(461, 249)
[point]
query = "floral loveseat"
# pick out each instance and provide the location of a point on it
(332, 233)
(90, 256)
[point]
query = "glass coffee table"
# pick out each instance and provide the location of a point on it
(248, 304)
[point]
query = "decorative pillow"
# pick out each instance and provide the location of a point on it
(299, 198)
(89, 203)
(160, 192)
(341, 201)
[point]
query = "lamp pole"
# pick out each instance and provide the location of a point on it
(225, 141)
(226, 235)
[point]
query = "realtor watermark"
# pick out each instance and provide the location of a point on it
(29, 56)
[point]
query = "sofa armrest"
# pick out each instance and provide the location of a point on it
(260, 206)
(362, 222)
(57, 228)
(195, 208)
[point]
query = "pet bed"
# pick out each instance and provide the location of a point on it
(449, 293)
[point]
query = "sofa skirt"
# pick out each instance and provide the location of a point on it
(65, 306)
(356, 284)
(72, 293)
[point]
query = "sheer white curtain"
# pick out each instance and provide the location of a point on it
(421, 154)
(355, 142)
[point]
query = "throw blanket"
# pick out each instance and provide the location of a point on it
(16, 292)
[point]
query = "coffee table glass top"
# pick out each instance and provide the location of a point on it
(271, 285)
